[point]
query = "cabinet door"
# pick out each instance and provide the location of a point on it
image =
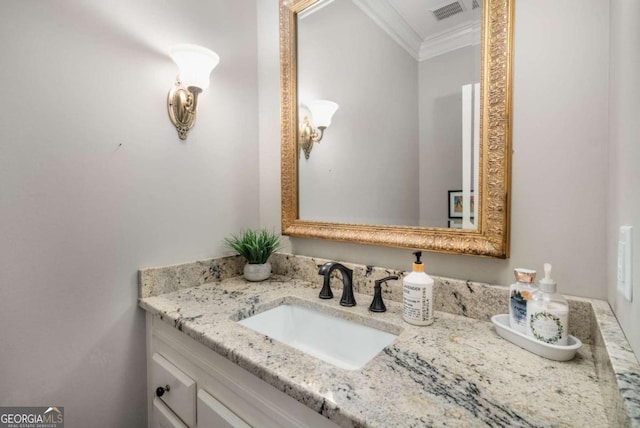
(163, 417)
(212, 413)
(181, 396)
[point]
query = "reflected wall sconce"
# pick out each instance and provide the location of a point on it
(195, 63)
(321, 113)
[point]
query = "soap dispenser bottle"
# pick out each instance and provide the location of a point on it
(417, 295)
(548, 313)
(520, 293)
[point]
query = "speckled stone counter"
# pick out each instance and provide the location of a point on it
(456, 372)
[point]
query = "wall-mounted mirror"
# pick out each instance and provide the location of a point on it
(396, 122)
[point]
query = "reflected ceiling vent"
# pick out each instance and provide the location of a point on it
(475, 5)
(447, 10)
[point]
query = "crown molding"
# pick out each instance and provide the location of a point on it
(314, 8)
(390, 21)
(467, 34)
(387, 18)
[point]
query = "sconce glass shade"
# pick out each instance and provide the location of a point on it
(322, 111)
(195, 64)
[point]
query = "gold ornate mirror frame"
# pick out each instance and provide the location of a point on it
(491, 238)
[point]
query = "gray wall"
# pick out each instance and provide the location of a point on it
(441, 80)
(560, 135)
(624, 155)
(95, 184)
(365, 169)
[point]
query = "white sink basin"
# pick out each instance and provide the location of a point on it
(345, 344)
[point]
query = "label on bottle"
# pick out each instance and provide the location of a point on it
(518, 309)
(548, 325)
(417, 306)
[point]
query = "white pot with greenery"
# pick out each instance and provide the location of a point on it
(255, 246)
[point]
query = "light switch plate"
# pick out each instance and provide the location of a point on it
(624, 271)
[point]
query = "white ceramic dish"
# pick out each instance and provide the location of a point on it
(552, 352)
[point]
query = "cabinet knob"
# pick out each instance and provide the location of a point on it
(161, 390)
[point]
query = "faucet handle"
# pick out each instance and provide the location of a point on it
(377, 305)
(325, 270)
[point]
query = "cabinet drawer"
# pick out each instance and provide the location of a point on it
(163, 417)
(181, 396)
(212, 413)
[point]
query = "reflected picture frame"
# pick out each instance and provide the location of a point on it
(456, 203)
(455, 224)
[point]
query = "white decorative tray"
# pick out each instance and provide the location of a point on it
(552, 352)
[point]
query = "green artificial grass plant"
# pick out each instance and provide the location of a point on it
(254, 245)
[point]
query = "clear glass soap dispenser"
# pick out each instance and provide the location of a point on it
(548, 312)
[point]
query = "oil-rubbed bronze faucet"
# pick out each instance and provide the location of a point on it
(348, 298)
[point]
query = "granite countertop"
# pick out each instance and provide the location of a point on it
(455, 372)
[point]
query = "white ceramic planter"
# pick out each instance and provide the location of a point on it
(257, 272)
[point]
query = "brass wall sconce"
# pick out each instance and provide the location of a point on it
(195, 64)
(321, 113)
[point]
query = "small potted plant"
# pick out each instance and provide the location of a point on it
(255, 246)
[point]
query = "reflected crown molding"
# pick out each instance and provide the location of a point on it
(467, 34)
(314, 8)
(393, 23)
(387, 17)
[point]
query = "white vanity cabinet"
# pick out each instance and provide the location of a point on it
(174, 389)
(162, 416)
(212, 413)
(207, 390)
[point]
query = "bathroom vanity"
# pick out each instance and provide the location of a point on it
(456, 372)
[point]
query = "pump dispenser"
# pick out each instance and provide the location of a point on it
(520, 292)
(548, 312)
(417, 295)
(547, 284)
